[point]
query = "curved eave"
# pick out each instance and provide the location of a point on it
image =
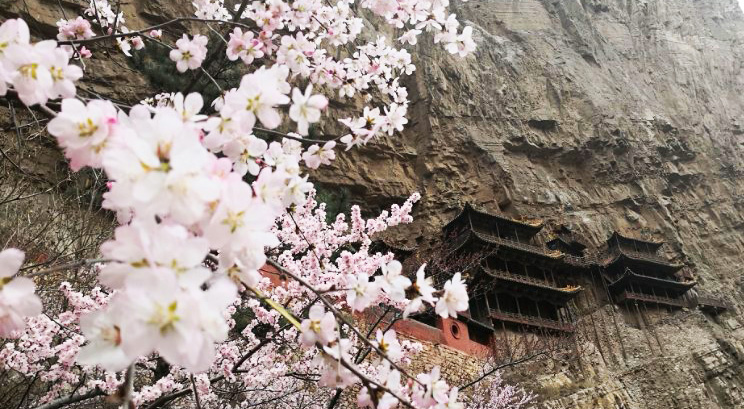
(660, 263)
(569, 243)
(457, 217)
(533, 227)
(628, 277)
(653, 244)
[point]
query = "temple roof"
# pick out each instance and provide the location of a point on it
(625, 257)
(642, 244)
(568, 242)
(531, 226)
(630, 277)
(500, 242)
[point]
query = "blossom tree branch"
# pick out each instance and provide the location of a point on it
(203, 203)
(69, 400)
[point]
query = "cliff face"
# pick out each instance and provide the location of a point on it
(599, 114)
(603, 115)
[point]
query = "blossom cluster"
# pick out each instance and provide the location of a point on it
(203, 199)
(37, 72)
(94, 340)
(316, 28)
(311, 33)
(17, 298)
(180, 203)
(101, 12)
(189, 54)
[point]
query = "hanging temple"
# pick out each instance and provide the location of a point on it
(520, 283)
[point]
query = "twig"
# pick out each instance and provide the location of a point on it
(156, 26)
(196, 393)
(59, 403)
(74, 264)
(159, 402)
(126, 399)
(499, 367)
(296, 138)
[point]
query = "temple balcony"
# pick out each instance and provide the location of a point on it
(713, 305)
(537, 285)
(532, 321)
(586, 261)
(628, 295)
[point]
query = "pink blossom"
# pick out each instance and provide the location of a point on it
(316, 156)
(454, 299)
(362, 292)
(17, 298)
(84, 52)
(306, 108)
(319, 327)
(388, 343)
(463, 43)
(84, 130)
(257, 98)
(244, 46)
(77, 29)
(189, 54)
(137, 42)
(335, 373)
(424, 292)
(103, 332)
(393, 282)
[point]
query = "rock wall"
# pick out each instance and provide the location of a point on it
(602, 115)
(599, 114)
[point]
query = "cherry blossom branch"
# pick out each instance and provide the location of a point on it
(197, 401)
(150, 28)
(368, 381)
(127, 388)
(341, 317)
(61, 267)
(157, 270)
(158, 403)
(296, 138)
(220, 50)
(235, 369)
(59, 403)
(502, 366)
(276, 306)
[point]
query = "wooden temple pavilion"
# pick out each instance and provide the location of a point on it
(515, 283)
(712, 305)
(564, 240)
(636, 272)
